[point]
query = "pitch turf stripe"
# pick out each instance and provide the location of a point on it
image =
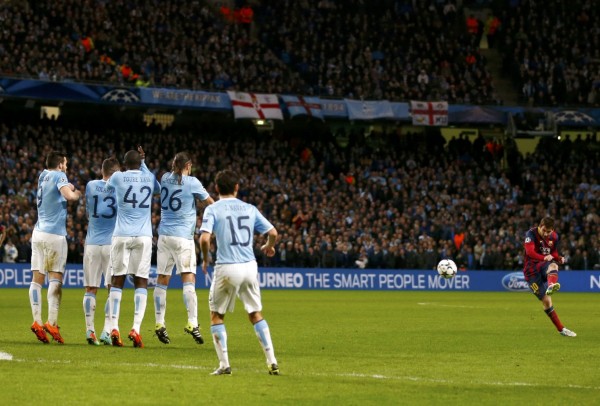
(450, 382)
(352, 375)
(445, 305)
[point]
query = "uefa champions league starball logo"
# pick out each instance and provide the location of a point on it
(121, 96)
(572, 116)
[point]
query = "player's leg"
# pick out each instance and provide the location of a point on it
(89, 309)
(139, 266)
(220, 299)
(119, 258)
(92, 277)
(552, 278)
(219, 334)
(105, 335)
(249, 294)
(55, 251)
(190, 299)
(186, 267)
(164, 268)
(537, 284)
(35, 288)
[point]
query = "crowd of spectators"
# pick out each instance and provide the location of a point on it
(174, 43)
(384, 49)
(380, 49)
(551, 49)
(388, 200)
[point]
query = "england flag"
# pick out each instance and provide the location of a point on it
(300, 105)
(429, 113)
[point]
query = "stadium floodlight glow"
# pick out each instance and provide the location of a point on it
(263, 125)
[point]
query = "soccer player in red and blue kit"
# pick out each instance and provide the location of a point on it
(541, 268)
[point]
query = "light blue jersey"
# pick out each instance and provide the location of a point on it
(51, 204)
(134, 190)
(178, 205)
(101, 208)
(234, 222)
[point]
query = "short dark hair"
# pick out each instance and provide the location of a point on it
(547, 222)
(55, 158)
(226, 181)
(133, 160)
(110, 166)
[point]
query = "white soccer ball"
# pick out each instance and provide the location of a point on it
(447, 268)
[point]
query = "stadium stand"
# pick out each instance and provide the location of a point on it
(381, 201)
(551, 50)
(389, 200)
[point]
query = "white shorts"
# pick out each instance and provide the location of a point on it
(176, 251)
(131, 255)
(48, 252)
(231, 280)
(96, 263)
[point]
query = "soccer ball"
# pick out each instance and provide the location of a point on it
(447, 268)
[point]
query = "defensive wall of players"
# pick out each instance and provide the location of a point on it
(19, 276)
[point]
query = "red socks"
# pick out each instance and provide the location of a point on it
(554, 317)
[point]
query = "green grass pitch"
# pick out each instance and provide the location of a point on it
(333, 347)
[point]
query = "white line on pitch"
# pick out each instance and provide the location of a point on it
(4, 356)
(351, 375)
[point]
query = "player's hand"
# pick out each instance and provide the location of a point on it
(141, 151)
(205, 267)
(562, 260)
(268, 251)
(548, 258)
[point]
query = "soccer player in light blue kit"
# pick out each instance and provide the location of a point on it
(236, 273)
(178, 194)
(101, 209)
(49, 244)
(131, 248)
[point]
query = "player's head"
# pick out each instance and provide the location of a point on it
(110, 166)
(56, 160)
(133, 160)
(546, 227)
(227, 182)
(180, 162)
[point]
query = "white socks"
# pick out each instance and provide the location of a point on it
(114, 307)
(160, 303)
(140, 298)
(89, 309)
(35, 299)
(54, 297)
(191, 303)
(219, 335)
(264, 337)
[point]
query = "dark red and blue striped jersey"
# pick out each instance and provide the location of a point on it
(536, 248)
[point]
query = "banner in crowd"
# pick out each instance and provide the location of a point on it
(368, 110)
(19, 276)
(255, 105)
(307, 106)
(429, 113)
(334, 108)
(185, 98)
